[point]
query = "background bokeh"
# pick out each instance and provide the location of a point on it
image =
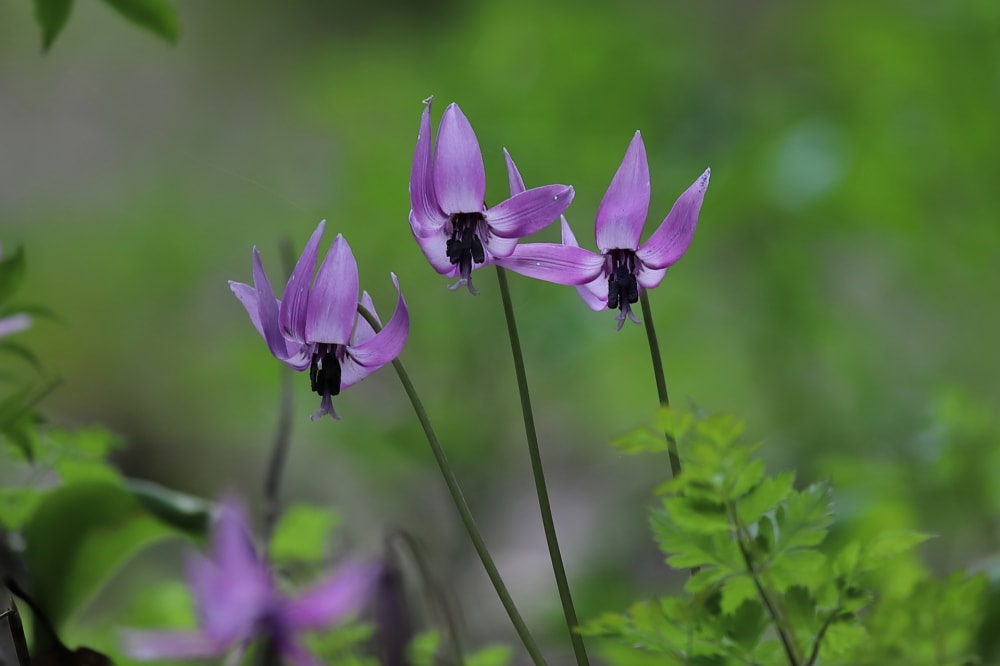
(840, 294)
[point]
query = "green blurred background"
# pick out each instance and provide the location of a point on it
(840, 294)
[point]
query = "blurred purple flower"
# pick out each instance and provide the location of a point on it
(318, 327)
(613, 278)
(238, 600)
(449, 217)
(15, 323)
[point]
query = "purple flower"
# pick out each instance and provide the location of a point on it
(449, 217)
(318, 327)
(238, 600)
(15, 323)
(613, 278)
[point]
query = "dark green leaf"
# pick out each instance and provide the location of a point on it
(78, 537)
(735, 592)
(12, 268)
(186, 513)
(157, 16)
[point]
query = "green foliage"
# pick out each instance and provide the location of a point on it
(303, 533)
(762, 587)
(423, 651)
(51, 16)
(157, 16)
(78, 537)
(12, 272)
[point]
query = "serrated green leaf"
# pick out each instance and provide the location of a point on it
(78, 537)
(798, 567)
(765, 497)
(746, 627)
(704, 579)
(888, 545)
(13, 267)
(748, 477)
(641, 440)
(736, 591)
(842, 637)
(697, 515)
(303, 533)
(803, 519)
(187, 513)
(157, 16)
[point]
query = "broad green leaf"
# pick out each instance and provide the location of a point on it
(186, 513)
(735, 592)
(746, 627)
(303, 533)
(78, 537)
(13, 267)
(157, 16)
(765, 497)
(491, 655)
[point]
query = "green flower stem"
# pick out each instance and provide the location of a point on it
(536, 468)
(461, 504)
(661, 382)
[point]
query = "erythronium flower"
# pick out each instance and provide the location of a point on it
(318, 327)
(624, 266)
(238, 600)
(449, 217)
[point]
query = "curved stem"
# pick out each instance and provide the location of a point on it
(536, 469)
(661, 382)
(463, 508)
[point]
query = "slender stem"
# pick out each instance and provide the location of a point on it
(774, 608)
(283, 433)
(461, 504)
(661, 382)
(536, 469)
(814, 655)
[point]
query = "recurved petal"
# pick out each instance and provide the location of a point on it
(554, 262)
(267, 310)
(623, 209)
(163, 645)
(671, 240)
(498, 247)
(424, 210)
(435, 248)
(513, 175)
(343, 593)
(363, 331)
(333, 300)
(387, 343)
(525, 213)
(459, 174)
(295, 301)
(650, 278)
(247, 295)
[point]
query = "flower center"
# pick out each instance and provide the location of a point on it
(465, 245)
(324, 370)
(623, 289)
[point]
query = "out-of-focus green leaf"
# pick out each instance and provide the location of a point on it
(78, 537)
(51, 16)
(21, 352)
(12, 270)
(889, 545)
(186, 513)
(156, 16)
(491, 655)
(423, 647)
(735, 591)
(303, 533)
(641, 440)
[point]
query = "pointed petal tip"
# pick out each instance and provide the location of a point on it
(427, 101)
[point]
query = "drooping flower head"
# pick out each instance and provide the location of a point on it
(449, 218)
(613, 278)
(318, 327)
(238, 600)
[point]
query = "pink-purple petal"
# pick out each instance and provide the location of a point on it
(435, 248)
(143, 645)
(553, 262)
(497, 247)
(623, 209)
(295, 300)
(650, 278)
(333, 301)
(267, 310)
(595, 292)
(459, 174)
(671, 240)
(513, 175)
(387, 343)
(292, 354)
(340, 595)
(363, 331)
(424, 209)
(14, 324)
(530, 211)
